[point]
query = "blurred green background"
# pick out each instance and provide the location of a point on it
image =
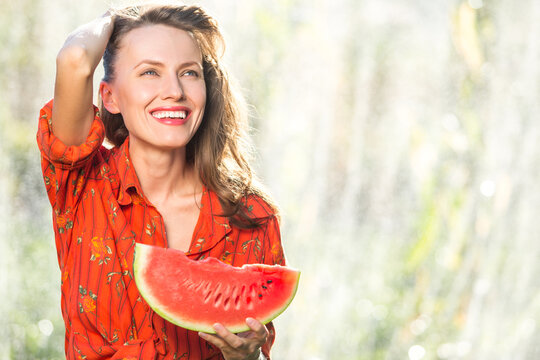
(401, 139)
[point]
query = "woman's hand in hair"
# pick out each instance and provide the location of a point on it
(89, 41)
(242, 346)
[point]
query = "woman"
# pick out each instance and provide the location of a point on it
(176, 177)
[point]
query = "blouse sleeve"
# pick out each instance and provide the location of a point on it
(273, 255)
(64, 166)
(65, 171)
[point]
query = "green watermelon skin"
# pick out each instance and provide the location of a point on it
(197, 294)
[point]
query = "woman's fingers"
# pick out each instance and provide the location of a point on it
(213, 339)
(231, 339)
(238, 346)
(258, 328)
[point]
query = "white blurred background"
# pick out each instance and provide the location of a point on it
(400, 138)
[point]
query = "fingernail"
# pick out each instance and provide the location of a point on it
(217, 326)
(250, 321)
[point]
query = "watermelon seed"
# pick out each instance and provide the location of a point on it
(218, 298)
(199, 286)
(268, 281)
(264, 287)
(237, 302)
(192, 287)
(260, 296)
(248, 303)
(226, 304)
(207, 297)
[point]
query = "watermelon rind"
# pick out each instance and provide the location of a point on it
(140, 261)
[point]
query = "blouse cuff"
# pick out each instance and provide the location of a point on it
(61, 155)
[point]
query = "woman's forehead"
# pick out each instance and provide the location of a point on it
(160, 42)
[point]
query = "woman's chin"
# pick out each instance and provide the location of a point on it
(167, 142)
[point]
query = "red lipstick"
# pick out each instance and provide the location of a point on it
(172, 118)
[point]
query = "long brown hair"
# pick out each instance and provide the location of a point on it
(219, 150)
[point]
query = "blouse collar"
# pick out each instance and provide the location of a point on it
(211, 227)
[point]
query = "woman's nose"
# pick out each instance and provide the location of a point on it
(172, 88)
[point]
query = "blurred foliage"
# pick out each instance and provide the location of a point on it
(400, 139)
(29, 269)
(31, 274)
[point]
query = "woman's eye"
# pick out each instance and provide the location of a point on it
(191, 73)
(149, 72)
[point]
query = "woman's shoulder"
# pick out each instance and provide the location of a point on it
(259, 205)
(255, 203)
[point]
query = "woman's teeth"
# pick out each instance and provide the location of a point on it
(170, 114)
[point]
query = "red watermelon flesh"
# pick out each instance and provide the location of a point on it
(197, 294)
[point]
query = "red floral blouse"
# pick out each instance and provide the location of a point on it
(99, 213)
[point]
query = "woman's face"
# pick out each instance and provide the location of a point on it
(158, 86)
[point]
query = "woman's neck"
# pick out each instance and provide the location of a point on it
(163, 174)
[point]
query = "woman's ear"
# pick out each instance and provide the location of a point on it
(105, 90)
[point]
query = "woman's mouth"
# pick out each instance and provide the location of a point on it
(177, 115)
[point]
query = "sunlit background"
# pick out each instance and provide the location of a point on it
(401, 139)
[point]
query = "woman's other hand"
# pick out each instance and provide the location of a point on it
(242, 346)
(73, 111)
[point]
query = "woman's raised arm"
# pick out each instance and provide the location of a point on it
(76, 62)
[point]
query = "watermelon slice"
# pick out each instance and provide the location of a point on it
(197, 294)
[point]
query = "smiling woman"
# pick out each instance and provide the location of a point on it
(161, 98)
(176, 177)
(166, 89)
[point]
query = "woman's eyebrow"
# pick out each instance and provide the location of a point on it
(159, 63)
(190, 63)
(150, 62)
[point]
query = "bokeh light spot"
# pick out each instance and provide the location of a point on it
(487, 188)
(416, 352)
(46, 327)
